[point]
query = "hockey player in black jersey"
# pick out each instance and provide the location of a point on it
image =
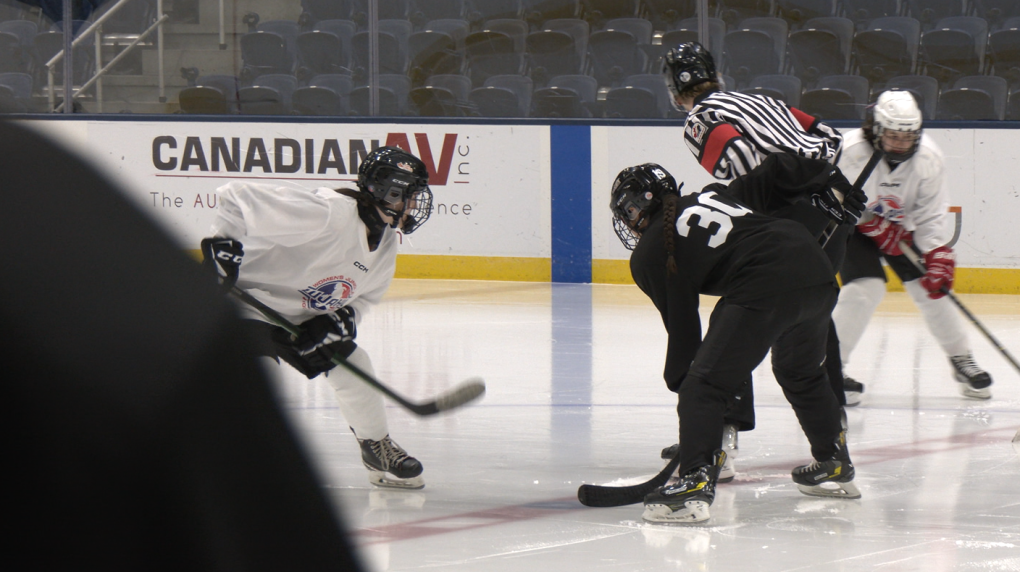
(777, 291)
(730, 134)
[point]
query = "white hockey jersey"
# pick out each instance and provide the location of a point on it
(305, 251)
(913, 195)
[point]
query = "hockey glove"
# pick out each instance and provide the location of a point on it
(854, 201)
(827, 202)
(941, 266)
(326, 335)
(223, 256)
(887, 235)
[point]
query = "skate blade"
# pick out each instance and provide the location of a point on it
(693, 511)
(968, 391)
(385, 480)
(727, 472)
(853, 398)
(847, 490)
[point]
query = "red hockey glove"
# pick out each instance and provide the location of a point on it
(887, 235)
(941, 265)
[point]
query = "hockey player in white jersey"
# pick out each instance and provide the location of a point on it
(909, 202)
(321, 257)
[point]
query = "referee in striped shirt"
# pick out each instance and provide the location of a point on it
(731, 133)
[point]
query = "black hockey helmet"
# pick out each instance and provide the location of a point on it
(686, 66)
(398, 183)
(637, 195)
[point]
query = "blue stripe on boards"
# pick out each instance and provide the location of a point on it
(570, 158)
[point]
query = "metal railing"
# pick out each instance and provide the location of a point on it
(96, 28)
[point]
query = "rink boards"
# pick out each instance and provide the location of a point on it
(513, 200)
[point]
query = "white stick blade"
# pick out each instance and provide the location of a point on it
(469, 390)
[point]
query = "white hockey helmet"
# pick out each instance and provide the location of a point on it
(897, 111)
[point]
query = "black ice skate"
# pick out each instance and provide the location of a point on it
(974, 381)
(831, 478)
(687, 500)
(389, 465)
(853, 390)
(729, 445)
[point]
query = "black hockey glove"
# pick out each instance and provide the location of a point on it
(223, 256)
(827, 202)
(854, 201)
(326, 335)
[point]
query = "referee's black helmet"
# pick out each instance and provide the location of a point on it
(686, 66)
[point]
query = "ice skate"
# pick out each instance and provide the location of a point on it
(852, 389)
(831, 478)
(729, 445)
(687, 500)
(389, 465)
(973, 381)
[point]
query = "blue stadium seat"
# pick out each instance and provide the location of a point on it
(887, 48)
(995, 86)
(816, 51)
(433, 53)
(798, 12)
(318, 100)
(955, 47)
(929, 12)
(666, 14)
(598, 12)
(203, 100)
(966, 105)
(788, 87)
(614, 55)
(481, 11)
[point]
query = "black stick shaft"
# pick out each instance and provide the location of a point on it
(861, 179)
(453, 399)
(909, 253)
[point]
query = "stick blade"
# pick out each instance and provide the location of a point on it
(1016, 442)
(605, 496)
(599, 496)
(468, 391)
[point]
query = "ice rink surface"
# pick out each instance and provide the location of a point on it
(575, 395)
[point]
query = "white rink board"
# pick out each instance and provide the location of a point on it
(982, 169)
(490, 182)
(502, 173)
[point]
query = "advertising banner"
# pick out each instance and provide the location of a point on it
(490, 182)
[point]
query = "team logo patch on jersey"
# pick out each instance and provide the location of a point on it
(888, 207)
(329, 294)
(696, 131)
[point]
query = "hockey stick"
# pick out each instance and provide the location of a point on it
(469, 390)
(604, 496)
(911, 255)
(861, 179)
(907, 250)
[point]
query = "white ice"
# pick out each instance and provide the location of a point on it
(575, 395)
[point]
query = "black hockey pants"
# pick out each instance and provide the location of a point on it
(794, 326)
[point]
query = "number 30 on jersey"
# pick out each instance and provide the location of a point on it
(710, 209)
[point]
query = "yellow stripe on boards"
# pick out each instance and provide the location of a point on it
(474, 267)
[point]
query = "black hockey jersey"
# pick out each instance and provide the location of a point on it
(721, 248)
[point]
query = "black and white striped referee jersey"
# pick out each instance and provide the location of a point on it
(730, 133)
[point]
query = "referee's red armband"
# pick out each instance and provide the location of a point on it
(806, 121)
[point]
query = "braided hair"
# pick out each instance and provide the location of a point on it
(669, 214)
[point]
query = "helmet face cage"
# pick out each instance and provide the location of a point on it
(636, 196)
(397, 182)
(897, 111)
(686, 66)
